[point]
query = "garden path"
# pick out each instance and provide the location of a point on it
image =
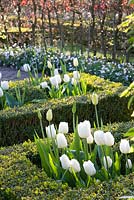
(11, 74)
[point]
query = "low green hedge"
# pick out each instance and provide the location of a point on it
(19, 124)
(22, 180)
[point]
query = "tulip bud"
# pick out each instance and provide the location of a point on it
(124, 146)
(61, 141)
(1, 92)
(89, 168)
(26, 67)
(65, 162)
(76, 75)
(44, 85)
(129, 164)
(74, 166)
(19, 74)
(49, 115)
(51, 131)
(107, 161)
(99, 137)
(84, 129)
(75, 62)
(90, 139)
(49, 64)
(39, 114)
(66, 78)
(109, 139)
(132, 115)
(56, 72)
(94, 99)
(63, 127)
(5, 85)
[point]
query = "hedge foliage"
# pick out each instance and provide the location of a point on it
(19, 124)
(22, 180)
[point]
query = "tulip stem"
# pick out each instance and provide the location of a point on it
(106, 161)
(42, 130)
(96, 113)
(85, 148)
(127, 164)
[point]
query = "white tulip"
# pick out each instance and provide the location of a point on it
(94, 99)
(49, 64)
(76, 75)
(56, 72)
(58, 78)
(54, 81)
(75, 62)
(44, 85)
(61, 140)
(99, 137)
(124, 146)
(109, 162)
(51, 131)
(84, 129)
(73, 81)
(66, 78)
(90, 139)
(74, 166)
(65, 162)
(1, 92)
(49, 115)
(109, 139)
(26, 67)
(89, 168)
(129, 164)
(63, 127)
(5, 85)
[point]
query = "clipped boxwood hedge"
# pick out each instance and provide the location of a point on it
(22, 180)
(19, 124)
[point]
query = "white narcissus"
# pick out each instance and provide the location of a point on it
(89, 168)
(107, 161)
(1, 92)
(49, 115)
(44, 85)
(84, 129)
(5, 85)
(65, 162)
(99, 137)
(66, 78)
(63, 127)
(109, 139)
(129, 164)
(90, 139)
(76, 75)
(75, 62)
(124, 146)
(26, 67)
(74, 166)
(61, 141)
(51, 131)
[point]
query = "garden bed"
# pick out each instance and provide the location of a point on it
(21, 179)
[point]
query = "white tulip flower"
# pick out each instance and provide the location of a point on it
(5, 85)
(99, 137)
(56, 72)
(109, 162)
(54, 81)
(76, 75)
(49, 115)
(75, 62)
(63, 127)
(90, 139)
(89, 168)
(124, 146)
(129, 164)
(44, 85)
(94, 99)
(26, 67)
(65, 162)
(84, 129)
(51, 131)
(58, 78)
(74, 166)
(109, 139)
(1, 92)
(66, 78)
(61, 141)
(49, 64)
